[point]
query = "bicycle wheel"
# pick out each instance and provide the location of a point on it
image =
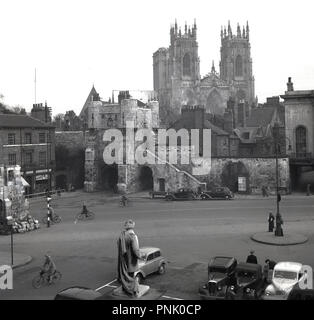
(38, 281)
(90, 215)
(80, 216)
(56, 276)
(56, 219)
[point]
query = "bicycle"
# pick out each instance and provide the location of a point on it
(43, 279)
(125, 203)
(89, 215)
(55, 219)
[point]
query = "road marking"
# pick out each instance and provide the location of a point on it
(107, 285)
(168, 297)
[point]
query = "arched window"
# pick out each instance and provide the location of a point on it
(239, 67)
(300, 140)
(186, 65)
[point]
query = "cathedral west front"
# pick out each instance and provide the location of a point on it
(177, 79)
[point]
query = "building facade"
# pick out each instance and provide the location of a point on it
(177, 79)
(29, 143)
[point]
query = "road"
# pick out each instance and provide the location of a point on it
(188, 232)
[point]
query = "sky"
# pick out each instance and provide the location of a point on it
(75, 44)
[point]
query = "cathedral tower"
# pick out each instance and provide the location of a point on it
(236, 68)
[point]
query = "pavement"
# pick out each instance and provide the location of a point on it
(19, 259)
(288, 239)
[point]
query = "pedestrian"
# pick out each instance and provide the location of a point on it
(279, 223)
(271, 224)
(268, 269)
(251, 258)
(263, 191)
(308, 189)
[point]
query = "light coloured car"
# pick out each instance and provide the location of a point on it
(286, 277)
(153, 262)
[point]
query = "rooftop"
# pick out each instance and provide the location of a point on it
(21, 121)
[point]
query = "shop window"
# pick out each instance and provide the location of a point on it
(11, 138)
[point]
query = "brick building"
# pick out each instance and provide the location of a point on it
(29, 143)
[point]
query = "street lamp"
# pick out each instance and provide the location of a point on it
(279, 221)
(10, 223)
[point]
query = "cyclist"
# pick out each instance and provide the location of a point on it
(123, 200)
(49, 267)
(84, 210)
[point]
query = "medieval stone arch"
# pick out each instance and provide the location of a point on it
(235, 176)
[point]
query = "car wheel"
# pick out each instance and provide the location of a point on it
(139, 278)
(168, 198)
(162, 268)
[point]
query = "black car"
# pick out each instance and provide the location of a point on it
(250, 282)
(182, 194)
(217, 193)
(221, 276)
(301, 294)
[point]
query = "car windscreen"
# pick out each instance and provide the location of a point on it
(217, 269)
(282, 274)
(246, 274)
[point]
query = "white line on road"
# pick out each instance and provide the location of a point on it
(107, 285)
(111, 286)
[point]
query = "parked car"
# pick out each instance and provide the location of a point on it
(182, 194)
(217, 193)
(153, 262)
(157, 194)
(301, 294)
(221, 275)
(286, 277)
(250, 282)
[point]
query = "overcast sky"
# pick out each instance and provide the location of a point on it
(75, 44)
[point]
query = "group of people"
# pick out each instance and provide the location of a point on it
(279, 222)
(269, 264)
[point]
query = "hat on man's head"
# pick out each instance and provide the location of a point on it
(129, 224)
(252, 252)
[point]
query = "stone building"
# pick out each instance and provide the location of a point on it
(29, 143)
(299, 130)
(41, 112)
(177, 79)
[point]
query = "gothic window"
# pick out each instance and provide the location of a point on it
(300, 138)
(239, 66)
(186, 65)
(214, 103)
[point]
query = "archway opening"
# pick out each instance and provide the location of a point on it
(235, 176)
(109, 177)
(214, 103)
(145, 178)
(61, 181)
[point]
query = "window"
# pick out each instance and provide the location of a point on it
(42, 158)
(42, 137)
(150, 257)
(11, 138)
(28, 158)
(300, 137)
(28, 138)
(242, 184)
(12, 158)
(239, 66)
(186, 65)
(157, 254)
(246, 135)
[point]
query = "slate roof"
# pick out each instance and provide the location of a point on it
(21, 121)
(261, 117)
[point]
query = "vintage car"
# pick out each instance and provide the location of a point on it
(153, 262)
(286, 277)
(182, 194)
(221, 275)
(217, 193)
(157, 194)
(250, 282)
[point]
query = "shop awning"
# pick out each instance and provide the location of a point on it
(24, 182)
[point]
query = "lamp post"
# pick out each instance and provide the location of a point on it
(10, 222)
